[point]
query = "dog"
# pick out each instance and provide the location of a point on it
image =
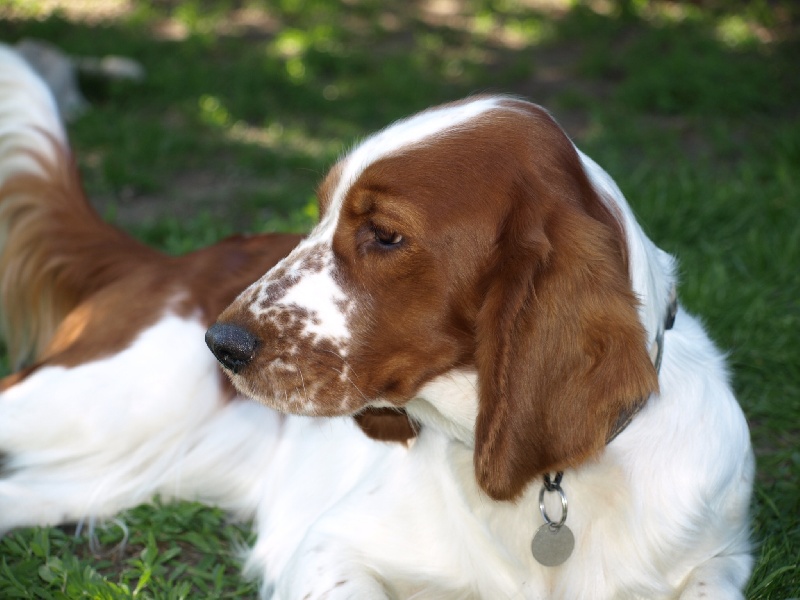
(115, 398)
(478, 382)
(480, 288)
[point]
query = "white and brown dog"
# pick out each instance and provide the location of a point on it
(476, 288)
(122, 399)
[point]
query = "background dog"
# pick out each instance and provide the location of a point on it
(120, 400)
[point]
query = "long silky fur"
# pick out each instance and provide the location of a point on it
(44, 216)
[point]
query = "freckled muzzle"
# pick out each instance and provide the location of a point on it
(284, 341)
(285, 366)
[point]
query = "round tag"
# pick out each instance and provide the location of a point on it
(551, 546)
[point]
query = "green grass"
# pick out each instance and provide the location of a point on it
(179, 551)
(693, 108)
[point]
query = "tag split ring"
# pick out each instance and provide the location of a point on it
(563, 496)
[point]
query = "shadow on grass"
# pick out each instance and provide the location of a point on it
(270, 93)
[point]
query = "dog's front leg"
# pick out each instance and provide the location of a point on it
(327, 571)
(349, 587)
(719, 577)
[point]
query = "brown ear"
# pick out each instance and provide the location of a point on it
(387, 424)
(560, 351)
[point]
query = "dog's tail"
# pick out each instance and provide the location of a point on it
(54, 249)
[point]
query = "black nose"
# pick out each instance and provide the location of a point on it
(233, 346)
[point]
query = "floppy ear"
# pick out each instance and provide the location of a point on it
(387, 424)
(560, 351)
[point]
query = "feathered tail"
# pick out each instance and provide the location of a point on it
(54, 249)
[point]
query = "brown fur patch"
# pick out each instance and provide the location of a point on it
(387, 424)
(74, 289)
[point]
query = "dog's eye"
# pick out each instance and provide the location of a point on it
(387, 238)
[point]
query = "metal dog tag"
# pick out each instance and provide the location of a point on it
(552, 545)
(553, 542)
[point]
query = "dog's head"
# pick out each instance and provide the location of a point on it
(466, 238)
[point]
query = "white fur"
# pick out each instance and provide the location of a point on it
(27, 113)
(109, 434)
(318, 292)
(653, 285)
(420, 527)
(662, 513)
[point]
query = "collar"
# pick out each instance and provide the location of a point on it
(656, 353)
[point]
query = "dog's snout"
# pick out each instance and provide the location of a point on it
(234, 346)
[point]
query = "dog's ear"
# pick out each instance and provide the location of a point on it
(387, 424)
(560, 351)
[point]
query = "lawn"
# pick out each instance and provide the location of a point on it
(692, 107)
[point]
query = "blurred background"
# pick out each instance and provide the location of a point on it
(194, 119)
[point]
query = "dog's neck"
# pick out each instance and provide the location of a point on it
(449, 404)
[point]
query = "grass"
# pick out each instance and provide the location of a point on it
(692, 107)
(184, 550)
